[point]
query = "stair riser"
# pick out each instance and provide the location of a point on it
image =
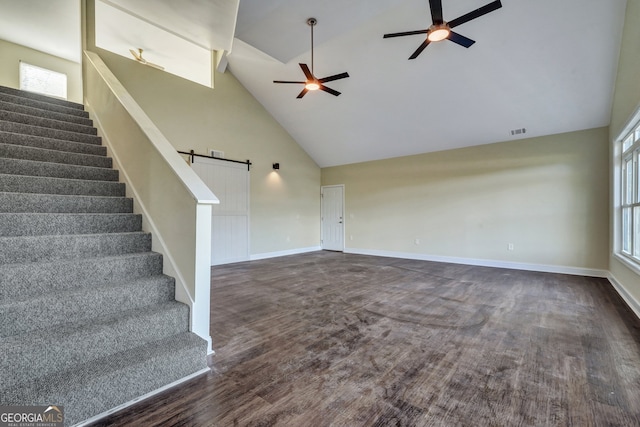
(48, 114)
(41, 98)
(16, 224)
(95, 387)
(51, 156)
(29, 279)
(30, 168)
(108, 336)
(82, 306)
(55, 248)
(42, 122)
(44, 203)
(51, 144)
(9, 126)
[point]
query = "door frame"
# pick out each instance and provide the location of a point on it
(344, 222)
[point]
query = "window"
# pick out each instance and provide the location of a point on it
(41, 80)
(630, 195)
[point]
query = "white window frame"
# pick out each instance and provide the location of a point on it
(628, 196)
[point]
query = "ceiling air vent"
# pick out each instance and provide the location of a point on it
(520, 131)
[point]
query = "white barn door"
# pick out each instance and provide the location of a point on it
(230, 222)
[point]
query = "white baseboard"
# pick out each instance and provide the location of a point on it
(633, 303)
(141, 398)
(576, 271)
(297, 251)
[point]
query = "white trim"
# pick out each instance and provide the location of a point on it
(576, 271)
(141, 398)
(633, 303)
(627, 262)
(276, 254)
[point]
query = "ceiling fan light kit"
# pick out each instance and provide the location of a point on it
(312, 83)
(438, 32)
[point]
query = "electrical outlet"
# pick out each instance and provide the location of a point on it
(417, 241)
(510, 246)
(351, 237)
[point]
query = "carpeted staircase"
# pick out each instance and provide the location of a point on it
(87, 319)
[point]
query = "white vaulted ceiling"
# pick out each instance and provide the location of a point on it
(51, 26)
(546, 65)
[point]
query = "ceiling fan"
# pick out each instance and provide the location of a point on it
(138, 57)
(441, 29)
(313, 83)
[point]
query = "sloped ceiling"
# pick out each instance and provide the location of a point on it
(543, 65)
(547, 66)
(51, 26)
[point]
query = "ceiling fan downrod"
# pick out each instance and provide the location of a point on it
(312, 23)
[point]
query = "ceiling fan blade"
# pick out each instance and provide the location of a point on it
(436, 11)
(135, 55)
(286, 81)
(306, 71)
(406, 33)
(419, 50)
(460, 39)
(495, 5)
(303, 93)
(334, 77)
(156, 66)
(329, 90)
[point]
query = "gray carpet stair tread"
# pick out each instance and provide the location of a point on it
(82, 305)
(43, 122)
(13, 151)
(42, 224)
(42, 106)
(94, 387)
(42, 98)
(52, 144)
(63, 203)
(70, 344)
(21, 280)
(31, 168)
(45, 113)
(22, 249)
(16, 127)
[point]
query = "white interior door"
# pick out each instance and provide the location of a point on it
(333, 217)
(230, 222)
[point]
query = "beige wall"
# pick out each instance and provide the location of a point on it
(548, 196)
(11, 54)
(285, 206)
(626, 100)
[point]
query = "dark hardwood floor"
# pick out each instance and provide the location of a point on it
(330, 339)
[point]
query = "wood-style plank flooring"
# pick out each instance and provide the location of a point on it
(331, 339)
